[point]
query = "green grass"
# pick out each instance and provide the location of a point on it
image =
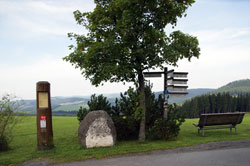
(67, 147)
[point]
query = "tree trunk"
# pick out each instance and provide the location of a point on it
(165, 113)
(143, 106)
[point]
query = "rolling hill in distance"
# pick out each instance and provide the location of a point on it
(236, 87)
(69, 104)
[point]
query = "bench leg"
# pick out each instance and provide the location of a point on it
(198, 130)
(202, 132)
(230, 129)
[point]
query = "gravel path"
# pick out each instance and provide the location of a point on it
(197, 148)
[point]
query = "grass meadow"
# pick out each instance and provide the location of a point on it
(67, 147)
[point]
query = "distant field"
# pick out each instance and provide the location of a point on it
(67, 147)
(69, 107)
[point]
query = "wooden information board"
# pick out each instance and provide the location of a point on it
(43, 100)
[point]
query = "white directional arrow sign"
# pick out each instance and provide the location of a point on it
(175, 93)
(177, 88)
(152, 74)
(173, 74)
(172, 81)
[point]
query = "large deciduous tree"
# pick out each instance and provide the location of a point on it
(127, 37)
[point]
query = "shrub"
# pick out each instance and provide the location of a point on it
(127, 128)
(8, 120)
(165, 129)
(126, 116)
(99, 103)
(96, 103)
(82, 112)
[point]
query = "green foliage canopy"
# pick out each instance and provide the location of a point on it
(127, 37)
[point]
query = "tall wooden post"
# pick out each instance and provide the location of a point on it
(44, 116)
(165, 113)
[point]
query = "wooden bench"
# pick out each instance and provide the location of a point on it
(219, 121)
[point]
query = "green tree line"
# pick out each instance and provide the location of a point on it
(216, 103)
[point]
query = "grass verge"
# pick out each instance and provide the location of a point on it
(67, 147)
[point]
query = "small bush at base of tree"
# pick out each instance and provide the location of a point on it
(165, 129)
(127, 128)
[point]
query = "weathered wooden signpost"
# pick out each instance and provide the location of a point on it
(44, 117)
(174, 85)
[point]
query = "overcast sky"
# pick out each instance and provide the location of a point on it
(33, 41)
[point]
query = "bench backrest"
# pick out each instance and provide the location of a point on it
(221, 119)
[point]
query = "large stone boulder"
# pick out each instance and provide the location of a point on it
(97, 130)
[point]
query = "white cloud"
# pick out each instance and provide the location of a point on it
(34, 18)
(37, 28)
(225, 57)
(65, 80)
(228, 35)
(42, 6)
(223, 47)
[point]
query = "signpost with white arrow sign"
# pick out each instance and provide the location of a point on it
(175, 85)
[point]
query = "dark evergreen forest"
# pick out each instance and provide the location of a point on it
(216, 103)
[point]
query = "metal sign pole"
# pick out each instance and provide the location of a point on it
(166, 96)
(44, 117)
